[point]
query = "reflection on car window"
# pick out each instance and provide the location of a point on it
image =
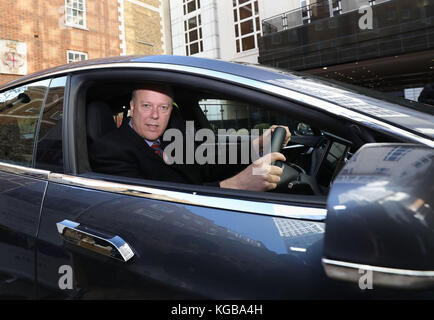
(49, 155)
(243, 117)
(19, 114)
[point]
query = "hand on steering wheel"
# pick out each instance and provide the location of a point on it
(271, 172)
(292, 175)
(262, 144)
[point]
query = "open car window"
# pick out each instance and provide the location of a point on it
(240, 116)
(214, 105)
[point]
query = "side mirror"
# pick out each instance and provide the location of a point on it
(380, 217)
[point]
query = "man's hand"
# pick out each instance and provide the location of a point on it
(259, 176)
(262, 143)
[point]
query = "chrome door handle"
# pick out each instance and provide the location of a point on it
(111, 246)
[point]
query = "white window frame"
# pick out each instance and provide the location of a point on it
(257, 29)
(69, 17)
(305, 4)
(76, 53)
(197, 15)
(308, 5)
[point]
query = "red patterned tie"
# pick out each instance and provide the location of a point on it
(157, 148)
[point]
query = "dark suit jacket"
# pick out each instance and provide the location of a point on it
(123, 152)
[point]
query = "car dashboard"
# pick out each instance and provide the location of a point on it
(321, 157)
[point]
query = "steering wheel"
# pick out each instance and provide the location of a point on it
(294, 179)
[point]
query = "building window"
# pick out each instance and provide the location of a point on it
(191, 6)
(74, 56)
(75, 13)
(192, 27)
(305, 11)
(320, 9)
(247, 24)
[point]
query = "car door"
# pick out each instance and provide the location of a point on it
(103, 236)
(22, 188)
(172, 244)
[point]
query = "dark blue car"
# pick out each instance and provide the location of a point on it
(356, 219)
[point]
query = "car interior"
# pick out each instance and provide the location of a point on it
(319, 147)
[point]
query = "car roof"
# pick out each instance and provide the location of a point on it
(247, 71)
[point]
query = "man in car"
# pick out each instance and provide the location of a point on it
(136, 149)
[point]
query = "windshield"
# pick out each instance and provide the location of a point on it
(349, 87)
(412, 115)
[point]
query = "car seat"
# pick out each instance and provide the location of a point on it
(99, 120)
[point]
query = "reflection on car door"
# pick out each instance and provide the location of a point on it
(21, 188)
(181, 249)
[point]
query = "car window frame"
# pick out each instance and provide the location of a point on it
(79, 83)
(35, 150)
(77, 95)
(297, 207)
(31, 165)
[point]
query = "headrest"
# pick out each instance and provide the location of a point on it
(99, 120)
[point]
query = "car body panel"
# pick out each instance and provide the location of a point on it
(21, 197)
(197, 243)
(381, 207)
(180, 250)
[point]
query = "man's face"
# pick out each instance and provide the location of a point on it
(150, 113)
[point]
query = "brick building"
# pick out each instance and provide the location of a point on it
(39, 34)
(146, 26)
